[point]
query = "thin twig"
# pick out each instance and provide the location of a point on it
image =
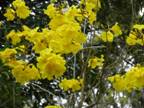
(43, 89)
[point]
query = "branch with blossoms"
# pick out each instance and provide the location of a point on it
(70, 58)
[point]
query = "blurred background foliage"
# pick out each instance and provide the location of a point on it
(38, 94)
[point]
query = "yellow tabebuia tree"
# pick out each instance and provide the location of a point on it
(62, 56)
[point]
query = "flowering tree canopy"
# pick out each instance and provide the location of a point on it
(71, 54)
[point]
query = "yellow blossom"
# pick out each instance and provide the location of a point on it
(13, 62)
(96, 62)
(51, 11)
(7, 54)
(18, 3)
(136, 35)
(14, 37)
(10, 14)
(107, 36)
(24, 73)
(56, 46)
(116, 29)
(50, 64)
(131, 39)
(118, 82)
(92, 7)
(96, 2)
(59, 20)
(92, 17)
(133, 79)
(71, 84)
(22, 10)
(138, 26)
(74, 12)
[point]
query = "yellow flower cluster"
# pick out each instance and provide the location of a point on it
(132, 80)
(7, 55)
(52, 106)
(21, 10)
(91, 8)
(67, 38)
(25, 72)
(71, 84)
(10, 14)
(96, 62)
(50, 65)
(14, 37)
(114, 31)
(136, 35)
(22, 71)
(51, 11)
(67, 31)
(64, 36)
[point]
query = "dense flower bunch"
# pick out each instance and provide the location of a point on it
(91, 8)
(53, 51)
(62, 36)
(136, 35)
(67, 31)
(22, 71)
(7, 54)
(131, 80)
(19, 9)
(50, 65)
(72, 84)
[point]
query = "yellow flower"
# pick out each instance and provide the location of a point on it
(13, 62)
(92, 17)
(107, 36)
(92, 7)
(73, 47)
(56, 45)
(96, 2)
(39, 44)
(96, 62)
(14, 37)
(18, 3)
(74, 12)
(60, 20)
(24, 73)
(131, 39)
(118, 82)
(31, 34)
(51, 11)
(136, 35)
(71, 38)
(138, 26)
(22, 10)
(10, 14)
(116, 29)
(50, 64)
(89, 6)
(7, 54)
(72, 84)
(131, 80)
(52, 106)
